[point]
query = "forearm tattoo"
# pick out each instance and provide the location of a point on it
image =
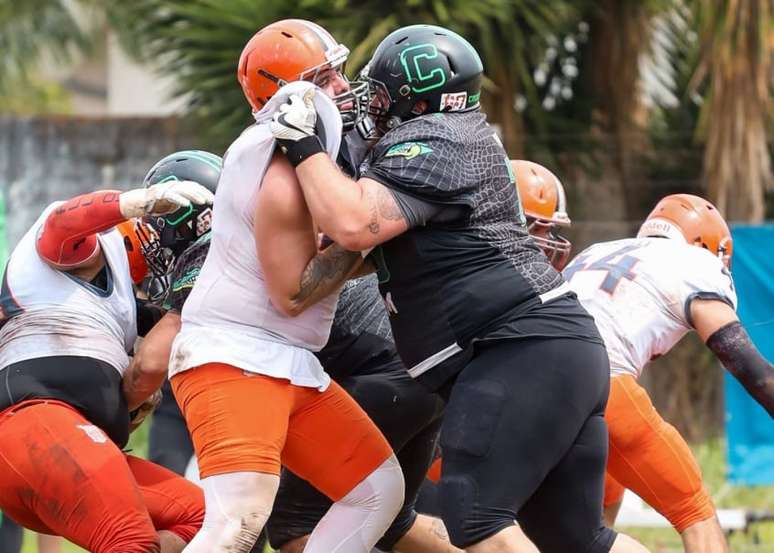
(325, 272)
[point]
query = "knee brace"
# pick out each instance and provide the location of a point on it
(355, 523)
(237, 507)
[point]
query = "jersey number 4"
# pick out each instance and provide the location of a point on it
(617, 265)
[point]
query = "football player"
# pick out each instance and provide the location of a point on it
(645, 294)
(69, 317)
(360, 355)
(169, 443)
(477, 311)
(545, 207)
(242, 367)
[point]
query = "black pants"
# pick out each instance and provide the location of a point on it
(524, 437)
(408, 416)
(11, 535)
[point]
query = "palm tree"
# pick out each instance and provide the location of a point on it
(738, 62)
(599, 137)
(34, 28)
(510, 36)
(199, 42)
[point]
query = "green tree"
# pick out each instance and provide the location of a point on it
(199, 41)
(597, 136)
(33, 29)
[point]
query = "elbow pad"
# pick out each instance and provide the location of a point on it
(68, 237)
(734, 348)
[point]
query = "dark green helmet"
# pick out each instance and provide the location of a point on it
(180, 228)
(422, 62)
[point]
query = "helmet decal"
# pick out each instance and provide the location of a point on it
(428, 80)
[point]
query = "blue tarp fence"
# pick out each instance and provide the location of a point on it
(749, 429)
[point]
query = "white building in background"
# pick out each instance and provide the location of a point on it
(109, 83)
(135, 90)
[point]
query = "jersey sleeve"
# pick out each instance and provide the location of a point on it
(185, 273)
(425, 159)
(704, 277)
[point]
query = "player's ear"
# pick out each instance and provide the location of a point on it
(419, 108)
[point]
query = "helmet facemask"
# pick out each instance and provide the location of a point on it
(352, 104)
(158, 258)
(378, 119)
(555, 246)
(725, 250)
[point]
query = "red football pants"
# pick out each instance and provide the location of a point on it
(61, 475)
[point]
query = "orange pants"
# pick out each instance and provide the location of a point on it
(241, 421)
(61, 475)
(648, 456)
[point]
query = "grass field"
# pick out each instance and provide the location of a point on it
(711, 455)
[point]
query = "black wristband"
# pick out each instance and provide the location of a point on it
(298, 150)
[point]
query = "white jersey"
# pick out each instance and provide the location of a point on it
(47, 312)
(228, 316)
(639, 291)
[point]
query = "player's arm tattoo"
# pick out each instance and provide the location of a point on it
(373, 200)
(382, 204)
(388, 207)
(438, 528)
(324, 273)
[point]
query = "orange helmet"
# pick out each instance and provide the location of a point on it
(142, 250)
(693, 219)
(544, 203)
(294, 50)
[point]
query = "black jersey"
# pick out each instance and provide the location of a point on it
(186, 271)
(447, 284)
(360, 335)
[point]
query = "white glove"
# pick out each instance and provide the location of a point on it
(296, 119)
(163, 197)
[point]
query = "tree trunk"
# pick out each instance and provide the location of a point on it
(737, 55)
(499, 106)
(619, 32)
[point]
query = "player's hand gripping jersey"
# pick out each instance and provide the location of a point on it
(470, 267)
(639, 291)
(229, 308)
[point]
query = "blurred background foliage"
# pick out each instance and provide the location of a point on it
(610, 93)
